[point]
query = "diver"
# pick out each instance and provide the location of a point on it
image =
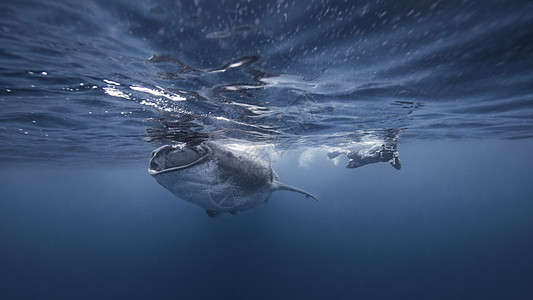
(377, 153)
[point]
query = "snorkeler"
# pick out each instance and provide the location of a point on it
(377, 153)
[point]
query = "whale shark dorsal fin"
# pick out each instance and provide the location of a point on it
(278, 185)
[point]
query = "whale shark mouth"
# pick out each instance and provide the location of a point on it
(176, 157)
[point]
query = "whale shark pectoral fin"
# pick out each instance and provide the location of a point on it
(212, 213)
(282, 186)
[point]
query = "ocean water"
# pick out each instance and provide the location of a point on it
(89, 88)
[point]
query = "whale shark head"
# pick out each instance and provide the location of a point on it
(172, 158)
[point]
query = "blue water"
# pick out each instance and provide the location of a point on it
(89, 88)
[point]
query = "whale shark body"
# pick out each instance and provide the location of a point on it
(216, 178)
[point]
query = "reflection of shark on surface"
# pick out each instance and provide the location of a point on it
(215, 177)
(374, 154)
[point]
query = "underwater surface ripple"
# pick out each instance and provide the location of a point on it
(83, 78)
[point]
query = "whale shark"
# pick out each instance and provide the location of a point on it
(216, 178)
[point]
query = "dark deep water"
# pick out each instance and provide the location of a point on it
(447, 226)
(89, 88)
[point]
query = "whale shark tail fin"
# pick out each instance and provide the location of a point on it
(282, 186)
